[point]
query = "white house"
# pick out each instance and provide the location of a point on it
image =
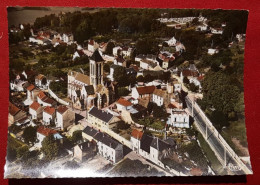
(212, 51)
(123, 104)
(92, 46)
(44, 100)
(64, 117)
(67, 37)
(158, 97)
(48, 115)
(101, 119)
(179, 118)
(35, 110)
(41, 81)
(32, 94)
(142, 92)
(115, 50)
(17, 84)
(78, 54)
(217, 31)
(171, 42)
(136, 136)
(126, 51)
(109, 148)
(43, 132)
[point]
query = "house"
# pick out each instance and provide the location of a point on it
(149, 65)
(92, 46)
(44, 100)
(102, 47)
(117, 51)
(123, 104)
(120, 61)
(217, 31)
(14, 114)
(35, 110)
(67, 37)
(171, 42)
(109, 148)
(179, 118)
(158, 97)
(84, 150)
(32, 93)
(145, 144)
(136, 136)
(48, 115)
(126, 51)
(78, 54)
(191, 71)
(23, 121)
(212, 51)
(101, 119)
(141, 92)
(157, 149)
(43, 132)
(41, 81)
(89, 133)
(18, 83)
(64, 117)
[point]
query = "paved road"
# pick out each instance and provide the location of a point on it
(213, 139)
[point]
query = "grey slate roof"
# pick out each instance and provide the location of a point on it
(105, 139)
(96, 56)
(159, 144)
(90, 131)
(100, 114)
(146, 142)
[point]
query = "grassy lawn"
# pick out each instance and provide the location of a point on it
(214, 162)
(130, 167)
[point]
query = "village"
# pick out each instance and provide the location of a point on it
(110, 110)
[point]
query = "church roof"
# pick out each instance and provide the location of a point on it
(82, 78)
(96, 56)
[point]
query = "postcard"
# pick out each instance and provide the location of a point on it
(124, 92)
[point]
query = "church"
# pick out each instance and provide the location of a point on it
(85, 91)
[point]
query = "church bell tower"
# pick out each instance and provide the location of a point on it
(96, 69)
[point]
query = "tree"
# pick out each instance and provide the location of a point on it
(122, 125)
(22, 151)
(109, 49)
(122, 91)
(50, 147)
(29, 134)
(140, 78)
(219, 120)
(120, 76)
(186, 80)
(76, 136)
(193, 87)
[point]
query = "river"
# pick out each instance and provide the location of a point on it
(19, 15)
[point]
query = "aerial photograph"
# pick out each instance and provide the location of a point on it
(126, 92)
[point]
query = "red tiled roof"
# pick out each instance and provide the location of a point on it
(187, 72)
(91, 42)
(124, 102)
(35, 106)
(31, 87)
(201, 77)
(41, 95)
(46, 131)
(49, 110)
(137, 134)
(61, 109)
(145, 90)
(171, 106)
(13, 110)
